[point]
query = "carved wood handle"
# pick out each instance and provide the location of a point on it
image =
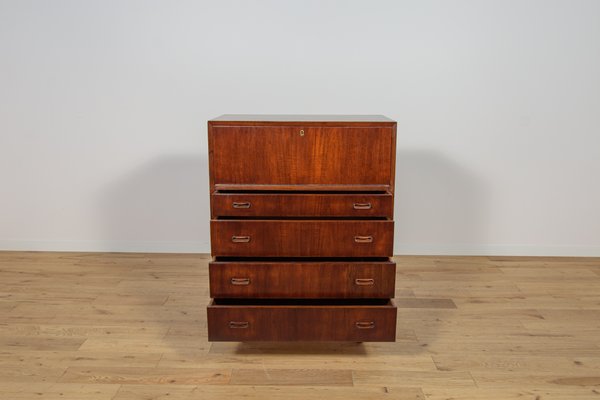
(240, 281)
(364, 281)
(240, 239)
(243, 204)
(363, 239)
(238, 324)
(362, 206)
(365, 325)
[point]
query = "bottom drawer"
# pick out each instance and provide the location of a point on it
(302, 320)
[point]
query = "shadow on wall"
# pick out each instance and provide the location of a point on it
(441, 208)
(160, 206)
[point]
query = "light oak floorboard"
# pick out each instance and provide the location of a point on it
(303, 377)
(218, 392)
(63, 391)
(137, 375)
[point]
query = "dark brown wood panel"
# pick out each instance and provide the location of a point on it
(302, 238)
(299, 155)
(370, 323)
(302, 205)
(297, 279)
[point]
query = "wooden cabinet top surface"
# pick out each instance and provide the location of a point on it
(302, 119)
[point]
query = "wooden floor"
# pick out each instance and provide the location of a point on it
(133, 326)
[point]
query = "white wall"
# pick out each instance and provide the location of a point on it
(103, 109)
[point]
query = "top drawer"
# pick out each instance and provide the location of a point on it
(302, 205)
(297, 155)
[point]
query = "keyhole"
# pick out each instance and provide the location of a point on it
(301, 132)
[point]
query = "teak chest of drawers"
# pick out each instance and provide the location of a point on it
(302, 228)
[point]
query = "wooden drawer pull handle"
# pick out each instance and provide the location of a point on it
(363, 239)
(362, 206)
(364, 281)
(365, 325)
(240, 281)
(245, 204)
(240, 239)
(238, 325)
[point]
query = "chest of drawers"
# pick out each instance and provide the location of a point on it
(301, 228)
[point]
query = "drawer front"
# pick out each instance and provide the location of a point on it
(374, 323)
(279, 155)
(302, 279)
(301, 205)
(301, 238)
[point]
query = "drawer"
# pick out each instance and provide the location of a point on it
(302, 205)
(302, 279)
(301, 155)
(302, 238)
(373, 321)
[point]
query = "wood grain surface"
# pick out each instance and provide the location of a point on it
(301, 155)
(301, 238)
(302, 279)
(297, 321)
(356, 205)
(133, 326)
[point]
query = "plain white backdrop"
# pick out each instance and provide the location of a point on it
(103, 110)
